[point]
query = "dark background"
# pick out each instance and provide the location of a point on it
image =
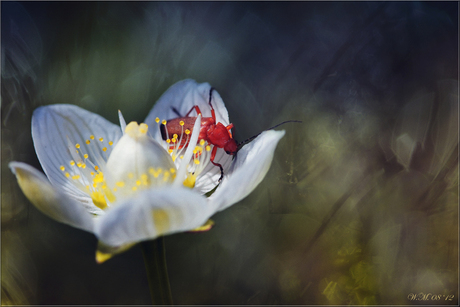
(360, 205)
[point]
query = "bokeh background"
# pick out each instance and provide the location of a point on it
(360, 205)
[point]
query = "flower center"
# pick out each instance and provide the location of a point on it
(135, 163)
(176, 146)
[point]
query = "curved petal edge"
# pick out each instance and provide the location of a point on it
(48, 199)
(248, 169)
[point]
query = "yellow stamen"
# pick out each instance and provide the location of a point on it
(189, 182)
(99, 178)
(99, 200)
(62, 168)
(143, 128)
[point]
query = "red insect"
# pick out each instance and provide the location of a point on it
(214, 133)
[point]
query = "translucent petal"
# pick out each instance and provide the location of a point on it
(50, 200)
(151, 214)
(54, 126)
(182, 96)
(248, 169)
(208, 179)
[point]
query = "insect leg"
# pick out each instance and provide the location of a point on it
(177, 112)
(212, 109)
(213, 155)
(196, 108)
(229, 129)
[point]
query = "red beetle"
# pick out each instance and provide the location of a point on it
(214, 133)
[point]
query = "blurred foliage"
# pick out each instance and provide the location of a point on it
(360, 205)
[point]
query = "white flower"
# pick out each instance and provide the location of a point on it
(128, 185)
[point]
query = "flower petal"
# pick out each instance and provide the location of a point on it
(182, 96)
(49, 200)
(209, 177)
(54, 126)
(151, 214)
(248, 169)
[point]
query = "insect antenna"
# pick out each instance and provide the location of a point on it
(241, 144)
(177, 112)
(210, 97)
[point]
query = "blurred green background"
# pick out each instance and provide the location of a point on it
(360, 205)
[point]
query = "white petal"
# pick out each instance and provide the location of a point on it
(182, 96)
(50, 200)
(122, 121)
(134, 154)
(151, 214)
(248, 169)
(209, 178)
(54, 125)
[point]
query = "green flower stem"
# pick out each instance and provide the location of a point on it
(157, 272)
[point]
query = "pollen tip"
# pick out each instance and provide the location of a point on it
(135, 131)
(102, 257)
